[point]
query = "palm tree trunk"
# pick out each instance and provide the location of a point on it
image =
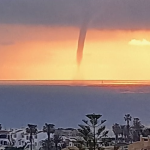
(56, 146)
(31, 141)
(48, 134)
(128, 131)
(94, 139)
(87, 144)
(116, 141)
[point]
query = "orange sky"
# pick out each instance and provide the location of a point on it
(48, 53)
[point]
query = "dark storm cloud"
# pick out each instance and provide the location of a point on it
(104, 14)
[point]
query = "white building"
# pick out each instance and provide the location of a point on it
(5, 139)
(21, 138)
(42, 136)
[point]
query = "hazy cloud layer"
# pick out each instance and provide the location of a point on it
(104, 14)
(143, 42)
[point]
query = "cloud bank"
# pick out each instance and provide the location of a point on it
(139, 42)
(104, 14)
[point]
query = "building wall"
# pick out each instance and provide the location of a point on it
(21, 138)
(4, 138)
(144, 143)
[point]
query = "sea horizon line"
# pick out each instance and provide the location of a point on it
(76, 82)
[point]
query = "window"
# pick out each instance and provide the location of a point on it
(22, 135)
(5, 142)
(15, 135)
(35, 143)
(41, 143)
(3, 136)
(27, 137)
(1, 142)
(35, 136)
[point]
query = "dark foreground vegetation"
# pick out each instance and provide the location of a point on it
(92, 134)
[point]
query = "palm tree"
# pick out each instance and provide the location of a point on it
(122, 131)
(88, 131)
(57, 139)
(137, 129)
(117, 131)
(128, 118)
(48, 128)
(31, 129)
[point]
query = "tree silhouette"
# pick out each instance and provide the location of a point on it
(31, 129)
(86, 133)
(48, 128)
(117, 131)
(137, 129)
(127, 118)
(93, 130)
(57, 139)
(146, 132)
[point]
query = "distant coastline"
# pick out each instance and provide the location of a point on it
(78, 82)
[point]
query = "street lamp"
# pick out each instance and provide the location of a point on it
(31, 129)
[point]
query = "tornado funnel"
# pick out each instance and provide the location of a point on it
(81, 41)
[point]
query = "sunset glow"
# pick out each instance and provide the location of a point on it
(49, 53)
